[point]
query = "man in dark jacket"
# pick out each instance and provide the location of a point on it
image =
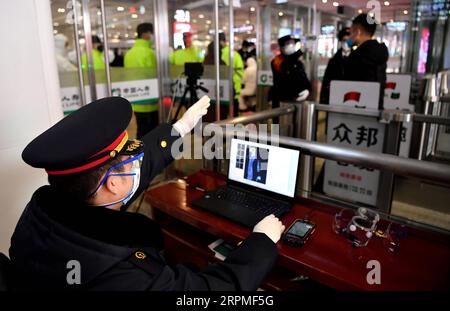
(290, 82)
(74, 234)
(336, 65)
(368, 61)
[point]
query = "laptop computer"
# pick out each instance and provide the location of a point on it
(261, 181)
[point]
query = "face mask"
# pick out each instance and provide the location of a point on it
(289, 49)
(135, 172)
(350, 42)
(136, 177)
(345, 46)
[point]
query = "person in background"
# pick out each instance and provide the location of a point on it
(190, 54)
(247, 101)
(238, 66)
(336, 65)
(62, 60)
(141, 55)
(118, 58)
(290, 82)
(368, 61)
(97, 55)
(247, 50)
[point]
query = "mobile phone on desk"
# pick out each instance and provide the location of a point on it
(299, 232)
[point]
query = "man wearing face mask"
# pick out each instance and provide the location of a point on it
(368, 60)
(142, 55)
(336, 65)
(79, 223)
(290, 82)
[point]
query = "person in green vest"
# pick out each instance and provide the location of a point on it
(141, 55)
(97, 55)
(238, 66)
(190, 54)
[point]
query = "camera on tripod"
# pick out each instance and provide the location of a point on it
(194, 70)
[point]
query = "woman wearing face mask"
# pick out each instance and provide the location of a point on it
(290, 82)
(335, 68)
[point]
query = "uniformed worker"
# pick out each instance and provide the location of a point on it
(79, 220)
(98, 59)
(190, 54)
(238, 68)
(142, 55)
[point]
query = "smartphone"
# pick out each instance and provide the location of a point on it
(299, 232)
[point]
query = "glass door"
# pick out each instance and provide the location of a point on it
(92, 52)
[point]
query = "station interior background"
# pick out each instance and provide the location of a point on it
(404, 27)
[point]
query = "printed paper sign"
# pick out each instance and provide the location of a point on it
(355, 94)
(396, 92)
(396, 96)
(347, 181)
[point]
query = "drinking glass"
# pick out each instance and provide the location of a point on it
(342, 219)
(393, 235)
(370, 215)
(359, 231)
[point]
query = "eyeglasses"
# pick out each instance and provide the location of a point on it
(136, 162)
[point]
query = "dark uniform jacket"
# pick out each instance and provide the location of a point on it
(368, 63)
(119, 250)
(335, 71)
(289, 78)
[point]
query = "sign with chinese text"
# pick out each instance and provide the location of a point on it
(134, 91)
(347, 181)
(396, 96)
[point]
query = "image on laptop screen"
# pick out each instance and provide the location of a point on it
(264, 166)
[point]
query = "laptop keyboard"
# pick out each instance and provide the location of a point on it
(258, 204)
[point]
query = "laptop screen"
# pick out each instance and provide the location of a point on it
(264, 166)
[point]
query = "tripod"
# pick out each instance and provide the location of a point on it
(191, 87)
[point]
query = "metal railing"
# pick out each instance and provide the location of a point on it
(304, 116)
(398, 165)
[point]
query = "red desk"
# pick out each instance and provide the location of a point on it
(421, 263)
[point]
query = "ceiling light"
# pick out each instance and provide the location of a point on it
(252, 9)
(280, 13)
(247, 22)
(55, 31)
(335, 4)
(324, 1)
(99, 13)
(208, 22)
(55, 24)
(120, 8)
(359, 11)
(134, 15)
(61, 10)
(386, 3)
(405, 12)
(201, 16)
